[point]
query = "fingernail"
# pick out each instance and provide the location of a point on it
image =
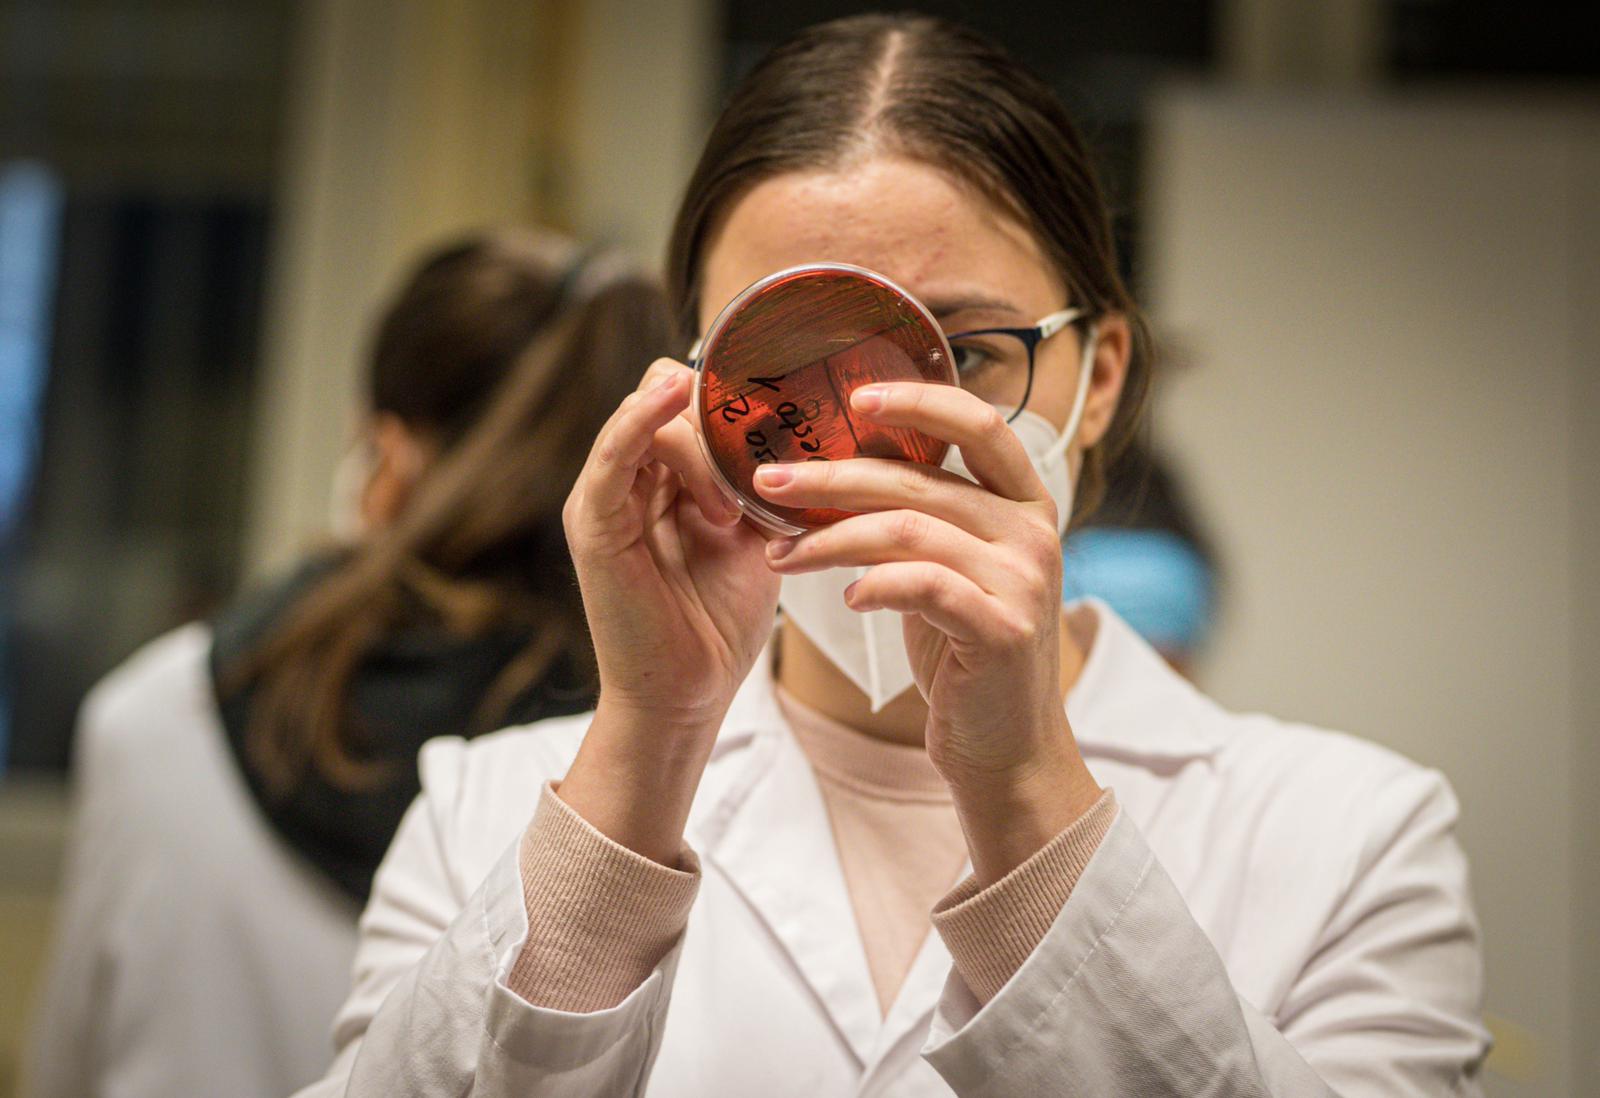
(869, 398)
(774, 476)
(850, 594)
(664, 382)
(778, 548)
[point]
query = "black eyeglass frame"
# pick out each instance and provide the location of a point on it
(1031, 337)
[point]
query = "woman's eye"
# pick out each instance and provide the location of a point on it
(969, 359)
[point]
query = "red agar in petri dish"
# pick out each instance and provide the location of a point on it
(776, 369)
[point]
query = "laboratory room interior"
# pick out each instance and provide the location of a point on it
(1365, 496)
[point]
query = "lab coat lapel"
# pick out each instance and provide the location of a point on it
(912, 1009)
(775, 844)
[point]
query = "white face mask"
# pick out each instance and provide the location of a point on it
(870, 647)
(345, 520)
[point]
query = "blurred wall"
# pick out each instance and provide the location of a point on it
(415, 121)
(1390, 308)
(642, 102)
(1582, 658)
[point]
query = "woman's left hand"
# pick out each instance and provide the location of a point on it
(976, 570)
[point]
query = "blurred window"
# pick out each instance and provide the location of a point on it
(126, 430)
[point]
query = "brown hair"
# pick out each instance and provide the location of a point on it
(933, 91)
(493, 349)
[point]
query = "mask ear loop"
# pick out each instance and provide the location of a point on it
(1085, 373)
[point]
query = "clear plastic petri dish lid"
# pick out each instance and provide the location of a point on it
(774, 374)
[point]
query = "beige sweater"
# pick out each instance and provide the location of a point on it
(895, 827)
(601, 917)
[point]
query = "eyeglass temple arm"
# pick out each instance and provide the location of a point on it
(1044, 329)
(1056, 321)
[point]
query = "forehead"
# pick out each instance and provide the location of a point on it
(937, 237)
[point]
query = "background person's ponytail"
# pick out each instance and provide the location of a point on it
(508, 362)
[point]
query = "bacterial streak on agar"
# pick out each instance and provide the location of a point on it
(779, 365)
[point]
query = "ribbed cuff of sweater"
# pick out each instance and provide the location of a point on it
(600, 916)
(991, 931)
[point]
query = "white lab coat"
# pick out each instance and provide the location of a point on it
(195, 954)
(1275, 911)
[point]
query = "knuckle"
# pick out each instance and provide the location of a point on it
(629, 403)
(912, 479)
(1040, 537)
(992, 426)
(1026, 633)
(1050, 519)
(1031, 574)
(570, 512)
(1018, 632)
(907, 529)
(811, 545)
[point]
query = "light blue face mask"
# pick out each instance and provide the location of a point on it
(1156, 581)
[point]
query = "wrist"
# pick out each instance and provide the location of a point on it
(1009, 815)
(668, 736)
(635, 777)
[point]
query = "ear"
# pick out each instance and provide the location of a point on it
(1112, 350)
(401, 455)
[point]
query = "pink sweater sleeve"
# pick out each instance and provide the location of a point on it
(991, 931)
(600, 916)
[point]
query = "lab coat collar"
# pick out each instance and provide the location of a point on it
(1129, 703)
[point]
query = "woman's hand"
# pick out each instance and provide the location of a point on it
(976, 570)
(680, 602)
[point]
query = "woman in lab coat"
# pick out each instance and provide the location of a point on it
(237, 781)
(720, 881)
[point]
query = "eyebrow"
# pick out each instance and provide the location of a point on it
(942, 307)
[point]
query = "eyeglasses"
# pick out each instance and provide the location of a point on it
(997, 363)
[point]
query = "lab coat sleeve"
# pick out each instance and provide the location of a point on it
(430, 1012)
(1126, 995)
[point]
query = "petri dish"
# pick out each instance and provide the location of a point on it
(774, 374)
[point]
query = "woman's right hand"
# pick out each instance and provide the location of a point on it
(680, 601)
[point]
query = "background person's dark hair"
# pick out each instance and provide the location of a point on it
(494, 352)
(937, 92)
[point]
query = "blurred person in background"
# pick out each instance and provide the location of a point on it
(237, 782)
(868, 809)
(1145, 555)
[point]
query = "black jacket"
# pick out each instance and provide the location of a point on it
(415, 685)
